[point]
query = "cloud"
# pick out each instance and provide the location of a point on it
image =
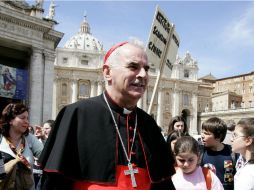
(241, 30)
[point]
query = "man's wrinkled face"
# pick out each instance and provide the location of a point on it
(130, 76)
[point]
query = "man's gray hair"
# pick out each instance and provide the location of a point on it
(113, 58)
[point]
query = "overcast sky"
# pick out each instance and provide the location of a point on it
(219, 35)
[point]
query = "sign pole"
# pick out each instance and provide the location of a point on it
(162, 64)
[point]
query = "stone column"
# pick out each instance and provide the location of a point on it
(74, 95)
(36, 87)
(92, 92)
(48, 85)
(160, 107)
(140, 103)
(194, 118)
(100, 88)
(55, 95)
(145, 100)
(175, 102)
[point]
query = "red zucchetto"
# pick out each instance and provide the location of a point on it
(113, 48)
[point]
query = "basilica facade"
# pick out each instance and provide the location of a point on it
(27, 54)
(45, 78)
(78, 75)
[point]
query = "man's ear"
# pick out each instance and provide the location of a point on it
(106, 72)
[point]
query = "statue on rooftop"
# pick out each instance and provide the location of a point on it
(39, 3)
(51, 10)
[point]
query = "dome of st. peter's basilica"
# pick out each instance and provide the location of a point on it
(84, 40)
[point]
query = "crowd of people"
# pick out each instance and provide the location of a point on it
(229, 163)
(107, 142)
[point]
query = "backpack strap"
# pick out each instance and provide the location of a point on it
(208, 178)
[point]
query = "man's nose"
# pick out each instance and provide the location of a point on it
(142, 72)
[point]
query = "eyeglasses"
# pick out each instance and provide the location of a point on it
(235, 136)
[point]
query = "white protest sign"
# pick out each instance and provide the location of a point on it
(162, 47)
(172, 50)
(158, 38)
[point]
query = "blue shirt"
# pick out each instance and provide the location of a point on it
(223, 163)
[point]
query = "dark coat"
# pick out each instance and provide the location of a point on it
(82, 146)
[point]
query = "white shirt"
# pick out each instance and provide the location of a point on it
(244, 178)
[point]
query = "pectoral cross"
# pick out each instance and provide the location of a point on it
(131, 172)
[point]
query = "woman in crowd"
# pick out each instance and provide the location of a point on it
(18, 148)
(47, 126)
(178, 123)
(243, 143)
(189, 175)
(42, 133)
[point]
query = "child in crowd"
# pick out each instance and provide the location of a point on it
(243, 143)
(216, 155)
(189, 175)
(171, 140)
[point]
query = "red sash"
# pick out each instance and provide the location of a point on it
(123, 181)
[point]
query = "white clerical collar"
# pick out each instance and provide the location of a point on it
(115, 105)
(126, 111)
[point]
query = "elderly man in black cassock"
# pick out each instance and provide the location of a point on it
(107, 142)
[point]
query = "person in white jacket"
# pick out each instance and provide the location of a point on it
(243, 143)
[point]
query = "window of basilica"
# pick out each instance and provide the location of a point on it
(84, 89)
(186, 73)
